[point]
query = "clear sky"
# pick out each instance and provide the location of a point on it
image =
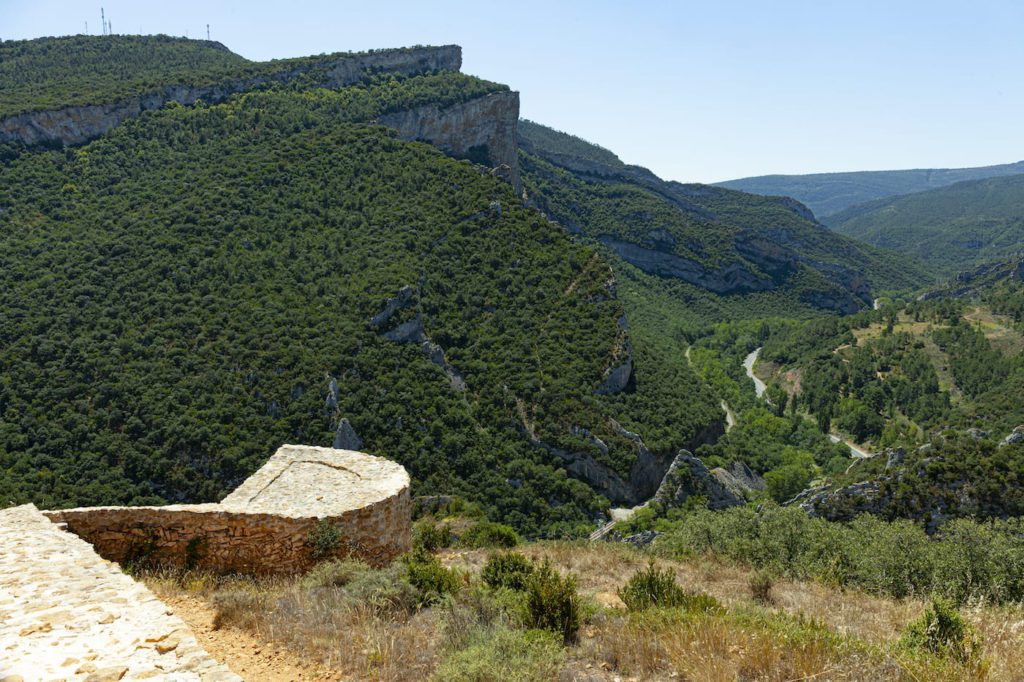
(696, 91)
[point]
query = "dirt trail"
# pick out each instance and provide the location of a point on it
(254, 660)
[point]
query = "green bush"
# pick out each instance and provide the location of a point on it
(552, 602)
(507, 569)
(334, 573)
(430, 536)
(652, 588)
(504, 654)
(941, 630)
(489, 534)
(387, 590)
(383, 590)
(323, 539)
(433, 581)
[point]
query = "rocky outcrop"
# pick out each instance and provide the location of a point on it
(345, 437)
(739, 479)
(731, 278)
(688, 477)
(403, 299)
(1014, 437)
(619, 379)
(482, 130)
(78, 124)
(438, 357)
(412, 331)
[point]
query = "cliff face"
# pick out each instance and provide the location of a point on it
(481, 130)
(75, 125)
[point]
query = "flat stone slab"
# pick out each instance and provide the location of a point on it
(67, 614)
(303, 481)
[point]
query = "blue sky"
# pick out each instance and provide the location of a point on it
(697, 91)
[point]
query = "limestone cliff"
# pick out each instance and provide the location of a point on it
(481, 130)
(75, 125)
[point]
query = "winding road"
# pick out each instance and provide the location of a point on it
(748, 365)
(759, 387)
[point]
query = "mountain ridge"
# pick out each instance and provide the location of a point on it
(829, 193)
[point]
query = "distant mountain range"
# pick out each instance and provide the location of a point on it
(830, 193)
(951, 229)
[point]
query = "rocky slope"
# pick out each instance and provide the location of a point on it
(482, 130)
(723, 241)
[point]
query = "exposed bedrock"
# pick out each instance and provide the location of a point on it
(75, 125)
(646, 473)
(731, 278)
(482, 130)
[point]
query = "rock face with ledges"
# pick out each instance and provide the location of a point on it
(75, 125)
(482, 130)
(65, 613)
(689, 477)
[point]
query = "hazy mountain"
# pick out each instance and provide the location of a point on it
(952, 228)
(829, 193)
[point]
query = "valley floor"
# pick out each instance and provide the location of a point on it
(803, 630)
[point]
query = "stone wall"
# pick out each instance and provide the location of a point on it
(264, 526)
(66, 614)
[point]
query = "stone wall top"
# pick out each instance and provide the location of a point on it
(65, 613)
(302, 481)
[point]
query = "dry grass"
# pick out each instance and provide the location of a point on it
(808, 631)
(998, 329)
(357, 640)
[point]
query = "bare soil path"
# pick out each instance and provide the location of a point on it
(246, 655)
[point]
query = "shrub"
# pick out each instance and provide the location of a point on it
(944, 632)
(504, 654)
(383, 590)
(507, 569)
(652, 587)
(552, 602)
(433, 581)
(761, 584)
(323, 539)
(490, 534)
(430, 536)
(334, 573)
(239, 607)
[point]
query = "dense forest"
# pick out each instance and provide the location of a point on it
(952, 229)
(206, 282)
(196, 288)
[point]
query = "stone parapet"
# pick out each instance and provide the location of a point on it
(265, 525)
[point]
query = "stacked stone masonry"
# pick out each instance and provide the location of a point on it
(265, 525)
(66, 614)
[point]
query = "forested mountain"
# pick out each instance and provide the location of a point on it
(203, 283)
(190, 283)
(829, 193)
(951, 229)
(74, 71)
(724, 253)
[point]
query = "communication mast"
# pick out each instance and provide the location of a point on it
(103, 21)
(207, 31)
